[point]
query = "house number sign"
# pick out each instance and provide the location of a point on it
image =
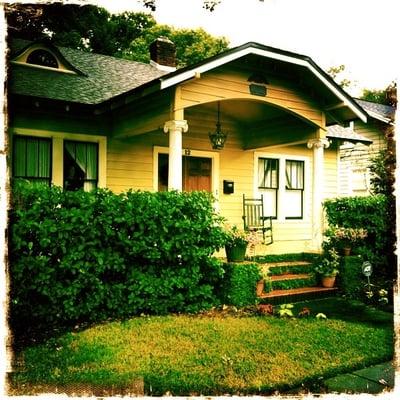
(366, 268)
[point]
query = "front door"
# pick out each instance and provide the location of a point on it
(196, 173)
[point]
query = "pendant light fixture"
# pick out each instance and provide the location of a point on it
(218, 137)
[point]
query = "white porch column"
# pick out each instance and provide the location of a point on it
(318, 146)
(175, 128)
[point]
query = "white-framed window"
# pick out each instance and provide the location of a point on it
(72, 161)
(283, 180)
(81, 165)
(200, 170)
(359, 179)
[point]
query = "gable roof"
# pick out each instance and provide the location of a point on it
(102, 77)
(269, 52)
(106, 78)
(381, 112)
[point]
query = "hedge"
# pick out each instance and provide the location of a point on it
(78, 256)
(371, 213)
(239, 284)
(351, 281)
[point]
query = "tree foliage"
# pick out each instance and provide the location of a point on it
(385, 96)
(336, 72)
(127, 35)
(192, 45)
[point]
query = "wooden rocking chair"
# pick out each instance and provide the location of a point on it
(255, 220)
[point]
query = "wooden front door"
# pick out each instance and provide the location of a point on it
(196, 173)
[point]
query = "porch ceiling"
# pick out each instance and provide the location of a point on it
(240, 111)
(257, 124)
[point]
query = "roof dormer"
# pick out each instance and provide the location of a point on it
(44, 55)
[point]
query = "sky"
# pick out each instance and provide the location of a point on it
(361, 34)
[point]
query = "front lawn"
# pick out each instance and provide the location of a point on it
(209, 354)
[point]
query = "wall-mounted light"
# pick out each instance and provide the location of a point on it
(218, 137)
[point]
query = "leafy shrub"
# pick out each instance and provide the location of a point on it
(78, 256)
(371, 213)
(351, 280)
(239, 284)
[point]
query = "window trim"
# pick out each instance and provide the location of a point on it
(22, 60)
(271, 188)
(96, 180)
(58, 138)
(306, 198)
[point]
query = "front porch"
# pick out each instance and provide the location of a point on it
(274, 108)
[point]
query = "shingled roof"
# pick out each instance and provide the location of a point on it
(103, 77)
(379, 111)
(346, 134)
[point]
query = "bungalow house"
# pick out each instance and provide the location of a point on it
(84, 120)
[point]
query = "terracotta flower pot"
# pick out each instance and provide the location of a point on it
(236, 253)
(328, 281)
(260, 287)
(346, 251)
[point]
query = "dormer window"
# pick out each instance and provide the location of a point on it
(43, 58)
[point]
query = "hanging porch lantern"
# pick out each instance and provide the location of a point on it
(218, 137)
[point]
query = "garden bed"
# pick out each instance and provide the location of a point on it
(214, 353)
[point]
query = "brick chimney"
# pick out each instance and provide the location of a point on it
(163, 54)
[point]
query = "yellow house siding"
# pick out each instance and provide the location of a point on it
(331, 173)
(228, 84)
(143, 116)
(130, 162)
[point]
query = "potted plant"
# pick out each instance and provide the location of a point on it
(236, 241)
(264, 284)
(347, 237)
(328, 268)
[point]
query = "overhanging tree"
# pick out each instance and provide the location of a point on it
(91, 28)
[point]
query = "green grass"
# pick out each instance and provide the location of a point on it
(210, 354)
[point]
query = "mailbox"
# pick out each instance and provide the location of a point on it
(229, 187)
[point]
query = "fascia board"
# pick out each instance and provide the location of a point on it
(379, 117)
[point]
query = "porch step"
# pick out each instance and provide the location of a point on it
(299, 294)
(289, 267)
(288, 277)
